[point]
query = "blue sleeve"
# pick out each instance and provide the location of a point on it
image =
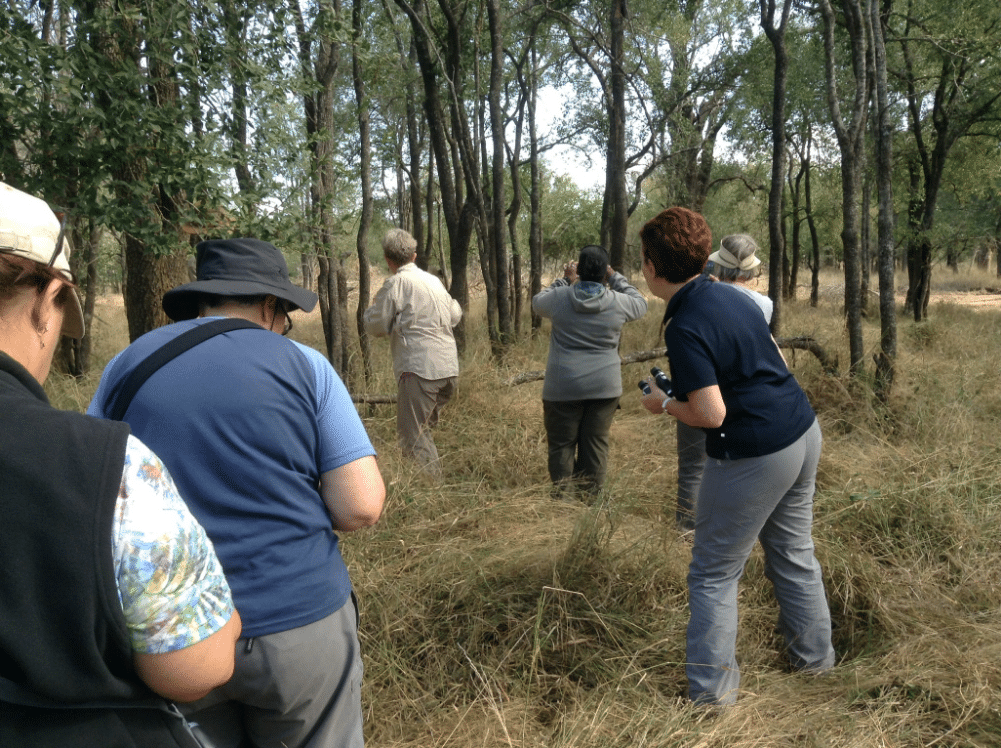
(96, 407)
(692, 366)
(343, 438)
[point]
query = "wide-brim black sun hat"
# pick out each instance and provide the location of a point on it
(236, 267)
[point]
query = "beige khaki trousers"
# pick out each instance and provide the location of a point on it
(418, 404)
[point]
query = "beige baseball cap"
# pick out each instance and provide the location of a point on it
(29, 228)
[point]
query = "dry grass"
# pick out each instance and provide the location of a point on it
(495, 616)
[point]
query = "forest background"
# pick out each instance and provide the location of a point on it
(858, 134)
(858, 141)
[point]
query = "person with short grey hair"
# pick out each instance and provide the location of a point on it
(399, 246)
(415, 310)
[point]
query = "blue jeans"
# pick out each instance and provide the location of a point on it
(770, 499)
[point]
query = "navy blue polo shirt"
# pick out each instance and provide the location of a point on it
(717, 335)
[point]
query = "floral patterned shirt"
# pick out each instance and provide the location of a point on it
(170, 582)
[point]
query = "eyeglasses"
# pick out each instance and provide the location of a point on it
(288, 319)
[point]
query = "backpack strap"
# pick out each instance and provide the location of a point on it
(118, 402)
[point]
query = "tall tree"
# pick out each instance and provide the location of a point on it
(615, 216)
(443, 64)
(948, 70)
(365, 168)
(851, 142)
(776, 236)
(146, 163)
(502, 337)
(319, 75)
(883, 140)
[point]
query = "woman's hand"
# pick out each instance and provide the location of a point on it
(654, 401)
(704, 408)
(570, 272)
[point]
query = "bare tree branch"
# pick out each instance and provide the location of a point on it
(802, 343)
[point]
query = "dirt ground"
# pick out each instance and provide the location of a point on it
(988, 298)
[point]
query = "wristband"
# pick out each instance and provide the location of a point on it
(663, 405)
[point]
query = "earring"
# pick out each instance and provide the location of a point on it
(44, 331)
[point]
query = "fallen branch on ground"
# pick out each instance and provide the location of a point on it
(373, 399)
(801, 343)
(804, 343)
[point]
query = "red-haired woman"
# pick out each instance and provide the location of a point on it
(763, 442)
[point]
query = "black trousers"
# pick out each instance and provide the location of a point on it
(577, 432)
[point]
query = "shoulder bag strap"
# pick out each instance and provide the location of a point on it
(119, 402)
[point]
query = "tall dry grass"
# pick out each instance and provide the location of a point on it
(495, 616)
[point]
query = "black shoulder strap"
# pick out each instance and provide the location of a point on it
(120, 400)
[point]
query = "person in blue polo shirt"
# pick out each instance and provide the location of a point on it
(268, 449)
(763, 441)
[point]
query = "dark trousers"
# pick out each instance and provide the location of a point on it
(577, 432)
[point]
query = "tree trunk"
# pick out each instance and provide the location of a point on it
(614, 225)
(887, 357)
(850, 142)
(318, 106)
(535, 229)
(415, 148)
(796, 221)
(365, 167)
(236, 48)
(498, 227)
(460, 213)
(776, 251)
(865, 256)
(811, 222)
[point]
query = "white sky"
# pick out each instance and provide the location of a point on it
(564, 160)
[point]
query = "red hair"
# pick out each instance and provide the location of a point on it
(677, 241)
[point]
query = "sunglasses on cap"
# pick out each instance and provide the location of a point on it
(59, 240)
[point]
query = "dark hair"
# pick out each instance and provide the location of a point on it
(19, 273)
(677, 241)
(209, 301)
(592, 265)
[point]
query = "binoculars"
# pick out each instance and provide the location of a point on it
(661, 380)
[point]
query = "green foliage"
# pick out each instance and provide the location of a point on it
(573, 216)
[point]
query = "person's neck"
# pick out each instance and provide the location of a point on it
(251, 313)
(666, 290)
(394, 268)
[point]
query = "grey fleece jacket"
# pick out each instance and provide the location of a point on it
(587, 319)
